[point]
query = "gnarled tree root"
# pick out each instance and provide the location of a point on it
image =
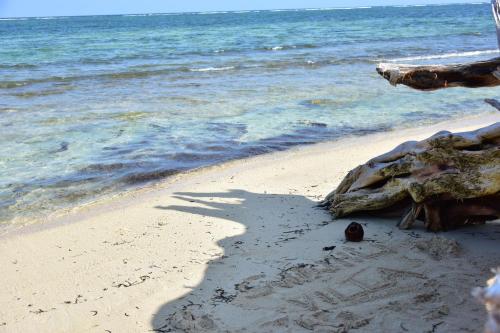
(447, 180)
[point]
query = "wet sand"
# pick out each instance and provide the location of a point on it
(240, 247)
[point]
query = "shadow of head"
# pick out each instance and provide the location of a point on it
(240, 205)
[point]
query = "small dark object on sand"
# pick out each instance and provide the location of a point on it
(329, 248)
(354, 232)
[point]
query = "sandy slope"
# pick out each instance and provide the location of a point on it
(239, 247)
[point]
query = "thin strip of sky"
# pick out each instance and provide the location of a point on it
(26, 8)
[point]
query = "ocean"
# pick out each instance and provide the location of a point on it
(94, 105)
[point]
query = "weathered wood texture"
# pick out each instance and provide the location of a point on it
(493, 102)
(472, 75)
(447, 180)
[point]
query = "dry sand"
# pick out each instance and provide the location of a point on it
(239, 247)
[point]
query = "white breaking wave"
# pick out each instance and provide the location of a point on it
(445, 55)
(7, 110)
(211, 13)
(211, 69)
(348, 8)
(50, 18)
(370, 7)
(439, 4)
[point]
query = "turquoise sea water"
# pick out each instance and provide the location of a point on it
(92, 105)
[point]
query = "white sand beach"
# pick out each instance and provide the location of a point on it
(238, 247)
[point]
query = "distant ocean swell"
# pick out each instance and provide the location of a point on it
(135, 74)
(449, 55)
(156, 56)
(172, 55)
(279, 64)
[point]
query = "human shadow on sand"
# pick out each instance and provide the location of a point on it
(269, 220)
(299, 286)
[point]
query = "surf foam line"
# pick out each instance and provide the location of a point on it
(445, 55)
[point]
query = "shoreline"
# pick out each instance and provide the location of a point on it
(241, 245)
(70, 214)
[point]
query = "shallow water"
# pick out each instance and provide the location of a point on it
(92, 105)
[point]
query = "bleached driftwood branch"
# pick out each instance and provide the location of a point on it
(472, 75)
(447, 180)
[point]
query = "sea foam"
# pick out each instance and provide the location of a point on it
(445, 55)
(211, 69)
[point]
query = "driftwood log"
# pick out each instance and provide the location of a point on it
(472, 75)
(447, 180)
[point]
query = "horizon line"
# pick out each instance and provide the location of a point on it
(242, 11)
